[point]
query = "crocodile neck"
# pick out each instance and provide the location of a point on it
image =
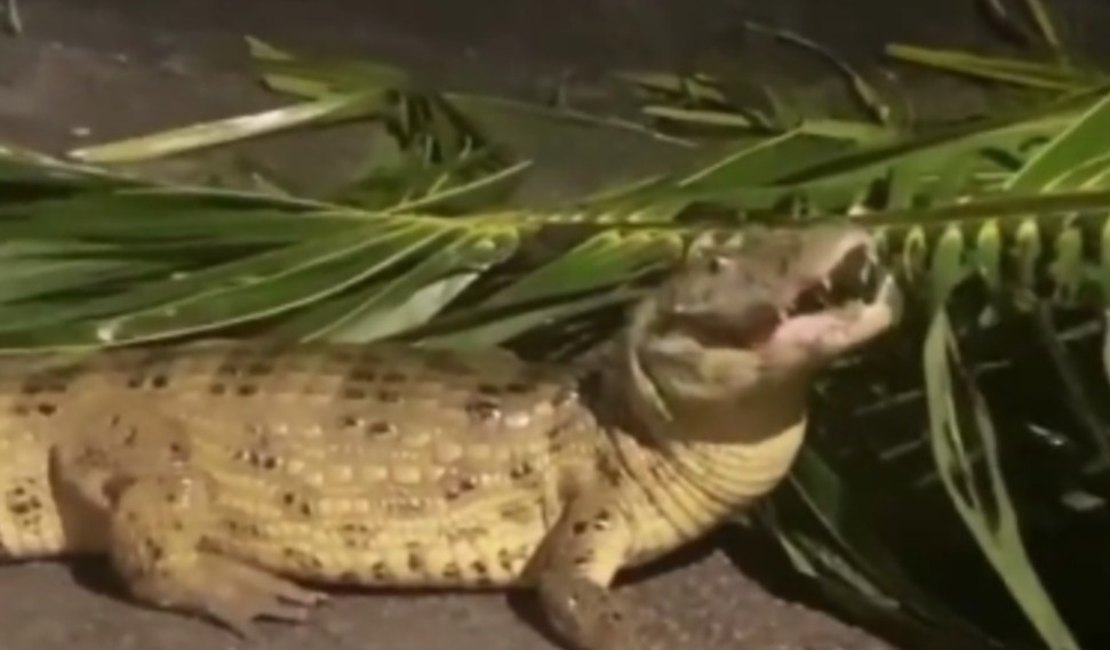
(696, 459)
(726, 476)
(678, 488)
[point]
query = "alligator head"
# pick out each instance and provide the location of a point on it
(740, 329)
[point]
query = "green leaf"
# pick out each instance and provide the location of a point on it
(209, 134)
(254, 287)
(1090, 174)
(700, 117)
(123, 218)
(766, 162)
(35, 268)
(697, 89)
(608, 258)
(316, 78)
(1075, 145)
(958, 419)
(1032, 74)
(414, 297)
(835, 184)
(313, 272)
(458, 197)
(506, 328)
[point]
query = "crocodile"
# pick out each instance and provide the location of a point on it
(238, 480)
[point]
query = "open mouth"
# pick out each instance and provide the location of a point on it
(826, 301)
(854, 279)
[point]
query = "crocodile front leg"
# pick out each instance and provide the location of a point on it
(134, 474)
(577, 563)
(156, 544)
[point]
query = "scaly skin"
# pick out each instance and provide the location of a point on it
(216, 475)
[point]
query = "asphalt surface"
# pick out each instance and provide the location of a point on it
(706, 605)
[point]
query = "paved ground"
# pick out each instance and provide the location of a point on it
(708, 605)
(100, 69)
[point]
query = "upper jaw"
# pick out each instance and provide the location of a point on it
(847, 301)
(830, 332)
(832, 296)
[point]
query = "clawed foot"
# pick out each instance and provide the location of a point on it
(234, 595)
(586, 615)
(241, 594)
